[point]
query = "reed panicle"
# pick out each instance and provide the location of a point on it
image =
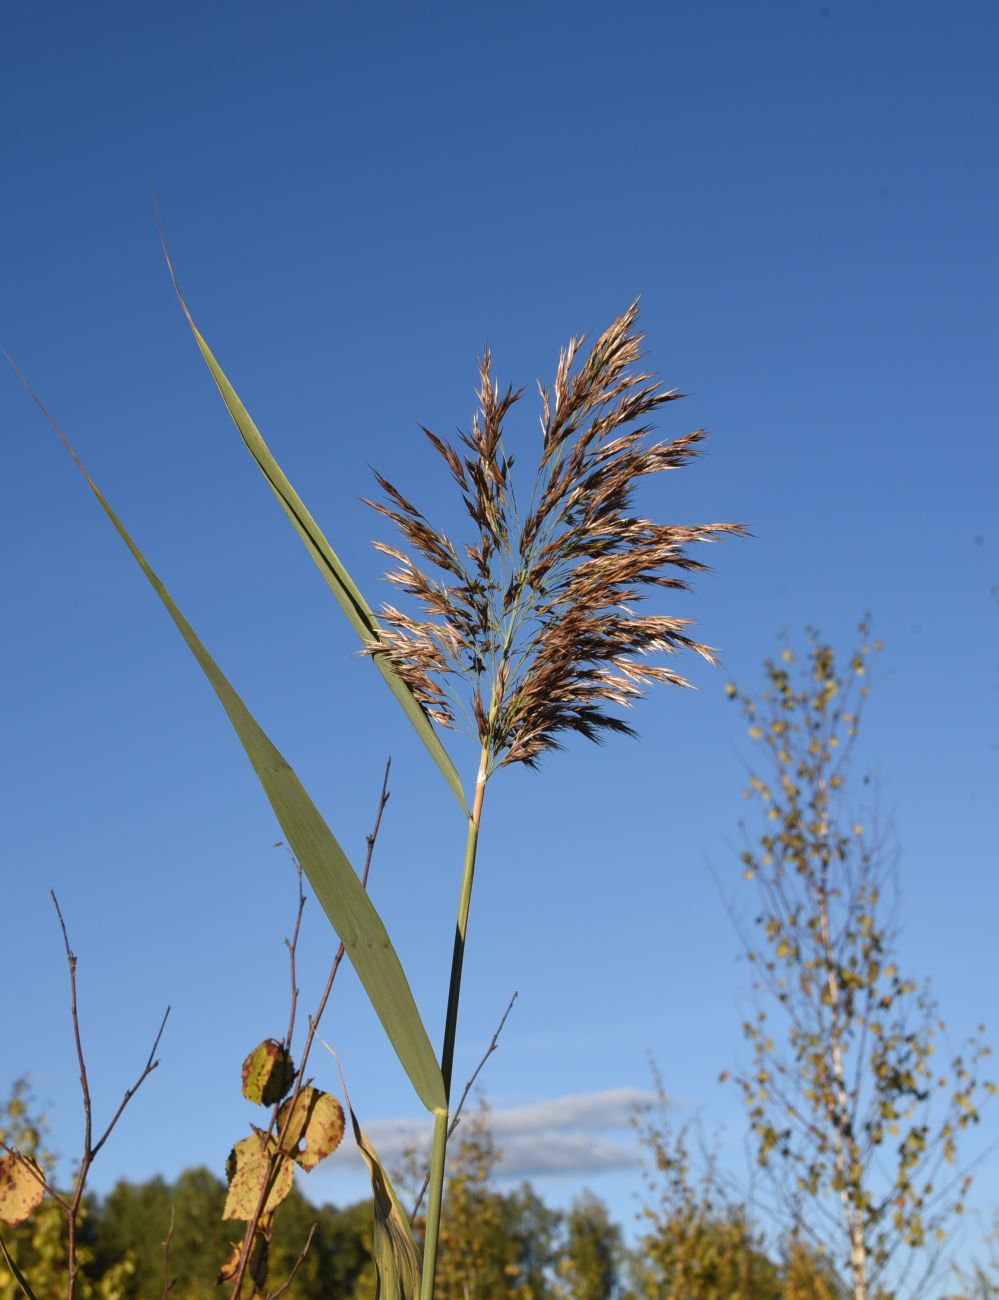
(530, 630)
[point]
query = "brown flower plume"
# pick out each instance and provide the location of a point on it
(535, 615)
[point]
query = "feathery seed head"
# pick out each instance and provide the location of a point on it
(534, 617)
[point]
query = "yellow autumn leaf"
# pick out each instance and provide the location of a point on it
(249, 1164)
(22, 1187)
(317, 1119)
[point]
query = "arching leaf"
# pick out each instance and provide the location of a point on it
(336, 884)
(353, 604)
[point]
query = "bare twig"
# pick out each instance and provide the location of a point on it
(90, 1148)
(493, 1044)
(292, 952)
(277, 1157)
(296, 1266)
(84, 1085)
(147, 1069)
(456, 1118)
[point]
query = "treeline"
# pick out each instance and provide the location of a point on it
(146, 1239)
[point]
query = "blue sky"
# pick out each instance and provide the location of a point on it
(358, 200)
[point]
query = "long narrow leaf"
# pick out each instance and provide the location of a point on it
(398, 1263)
(16, 1273)
(331, 875)
(358, 612)
(398, 1259)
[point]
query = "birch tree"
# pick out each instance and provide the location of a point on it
(853, 1116)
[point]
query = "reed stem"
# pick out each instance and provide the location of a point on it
(441, 1122)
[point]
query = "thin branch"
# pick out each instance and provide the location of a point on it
(90, 1149)
(314, 1020)
(147, 1069)
(296, 1266)
(493, 1044)
(371, 840)
(84, 1085)
(292, 952)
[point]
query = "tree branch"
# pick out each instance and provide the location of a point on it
(296, 1266)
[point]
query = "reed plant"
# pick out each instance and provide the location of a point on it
(524, 628)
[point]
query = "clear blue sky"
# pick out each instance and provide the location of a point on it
(358, 199)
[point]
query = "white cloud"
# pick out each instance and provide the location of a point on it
(582, 1133)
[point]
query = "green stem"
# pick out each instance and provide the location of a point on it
(431, 1232)
(442, 1122)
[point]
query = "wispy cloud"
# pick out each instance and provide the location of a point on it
(582, 1133)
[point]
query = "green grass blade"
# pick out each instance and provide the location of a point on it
(353, 604)
(336, 884)
(16, 1273)
(397, 1257)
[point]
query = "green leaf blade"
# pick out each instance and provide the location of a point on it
(337, 886)
(397, 1257)
(348, 595)
(333, 879)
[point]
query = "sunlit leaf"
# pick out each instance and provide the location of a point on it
(396, 1255)
(248, 1167)
(230, 1264)
(353, 604)
(315, 1118)
(22, 1187)
(330, 873)
(268, 1073)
